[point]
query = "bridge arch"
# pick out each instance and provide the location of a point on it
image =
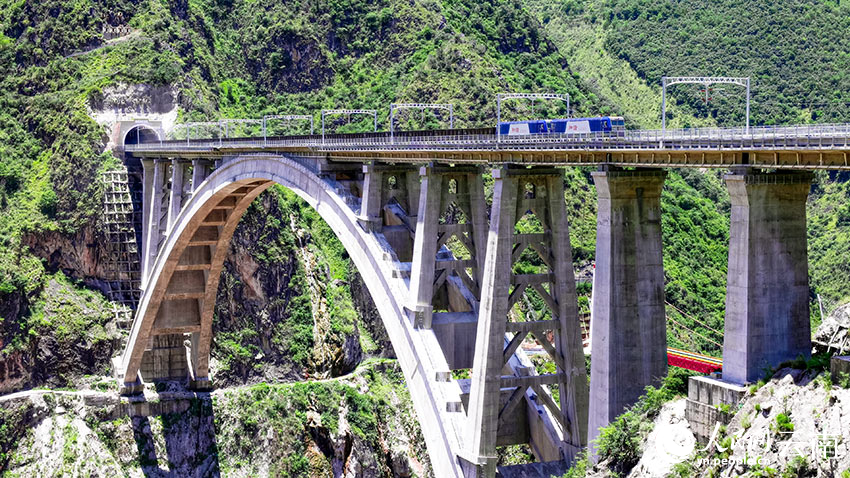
(179, 297)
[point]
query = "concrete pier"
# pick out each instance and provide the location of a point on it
(457, 191)
(372, 200)
(629, 340)
(767, 291)
(485, 400)
(153, 203)
(495, 390)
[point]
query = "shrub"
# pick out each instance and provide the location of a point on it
(782, 424)
(798, 467)
(745, 422)
(579, 468)
(620, 441)
(825, 379)
(843, 380)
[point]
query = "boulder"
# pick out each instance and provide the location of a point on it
(834, 332)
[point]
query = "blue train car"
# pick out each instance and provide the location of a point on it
(523, 127)
(602, 124)
(582, 125)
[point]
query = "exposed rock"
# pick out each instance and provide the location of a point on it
(369, 316)
(834, 332)
(670, 442)
(75, 334)
(127, 102)
(816, 443)
(80, 256)
(285, 430)
(276, 286)
(300, 63)
(15, 371)
(256, 295)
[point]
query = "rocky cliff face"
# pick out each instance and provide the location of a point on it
(360, 426)
(282, 313)
(794, 425)
(833, 334)
(64, 336)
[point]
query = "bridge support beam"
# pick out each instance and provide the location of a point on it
(372, 201)
(147, 188)
(537, 192)
(767, 297)
(175, 200)
(449, 244)
(154, 182)
(383, 185)
(628, 334)
(200, 171)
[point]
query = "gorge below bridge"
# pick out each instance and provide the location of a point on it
(444, 283)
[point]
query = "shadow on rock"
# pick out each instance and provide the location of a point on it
(181, 443)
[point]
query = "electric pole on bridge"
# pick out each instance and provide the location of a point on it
(530, 96)
(227, 121)
(287, 118)
(420, 106)
(700, 80)
(374, 114)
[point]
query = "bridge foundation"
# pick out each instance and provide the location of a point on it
(629, 340)
(497, 389)
(767, 297)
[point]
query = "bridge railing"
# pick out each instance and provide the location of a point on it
(759, 137)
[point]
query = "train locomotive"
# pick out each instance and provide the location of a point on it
(603, 124)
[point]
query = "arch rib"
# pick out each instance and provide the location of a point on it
(247, 177)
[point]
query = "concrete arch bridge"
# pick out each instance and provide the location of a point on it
(445, 284)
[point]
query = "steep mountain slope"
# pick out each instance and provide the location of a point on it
(245, 58)
(234, 59)
(362, 425)
(795, 52)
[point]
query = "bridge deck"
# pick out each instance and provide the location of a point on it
(786, 147)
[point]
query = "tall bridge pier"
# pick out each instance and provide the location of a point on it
(767, 298)
(495, 393)
(629, 329)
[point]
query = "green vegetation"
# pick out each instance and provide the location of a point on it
(695, 231)
(13, 429)
(783, 47)
(620, 441)
(829, 239)
(818, 362)
(275, 316)
(783, 424)
(293, 415)
(237, 59)
(579, 469)
(578, 33)
(245, 59)
(798, 467)
(843, 380)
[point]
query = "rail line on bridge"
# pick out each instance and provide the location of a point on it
(783, 147)
(386, 199)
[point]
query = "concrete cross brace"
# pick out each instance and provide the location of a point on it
(484, 418)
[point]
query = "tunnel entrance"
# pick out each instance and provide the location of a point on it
(140, 134)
